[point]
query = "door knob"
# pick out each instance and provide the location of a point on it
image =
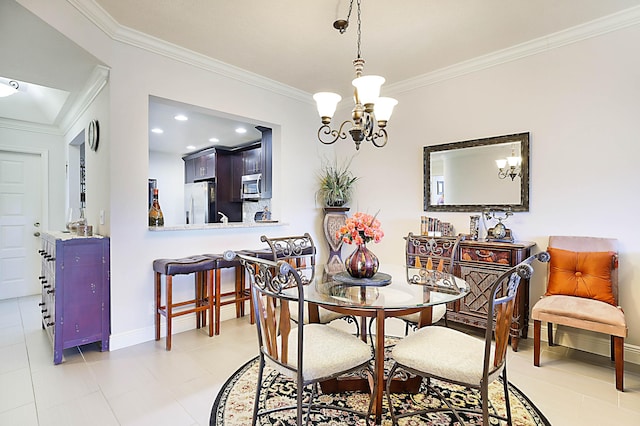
(37, 224)
(36, 234)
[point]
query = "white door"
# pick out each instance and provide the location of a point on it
(20, 215)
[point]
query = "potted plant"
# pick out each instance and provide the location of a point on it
(336, 183)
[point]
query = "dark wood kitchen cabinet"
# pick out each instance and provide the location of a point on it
(266, 160)
(75, 302)
(252, 160)
(200, 166)
(479, 264)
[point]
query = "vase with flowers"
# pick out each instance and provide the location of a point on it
(360, 229)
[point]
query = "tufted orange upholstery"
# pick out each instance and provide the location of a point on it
(583, 274)
(590, 258)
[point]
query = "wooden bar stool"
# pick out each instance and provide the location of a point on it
(240, 294)
(203, 301)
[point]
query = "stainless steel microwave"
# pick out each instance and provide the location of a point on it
(251, 189)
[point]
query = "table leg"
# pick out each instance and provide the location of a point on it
(379, 366)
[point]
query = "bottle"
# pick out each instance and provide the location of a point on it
(155, 213)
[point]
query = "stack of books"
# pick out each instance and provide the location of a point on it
(434, 227)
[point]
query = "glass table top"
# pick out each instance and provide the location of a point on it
(398, 294)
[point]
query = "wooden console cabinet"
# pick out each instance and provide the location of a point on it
(480, 263)
(75, 291)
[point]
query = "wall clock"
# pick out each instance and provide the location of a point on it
(93, 134)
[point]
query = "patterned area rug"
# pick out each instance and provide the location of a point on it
(234, 404)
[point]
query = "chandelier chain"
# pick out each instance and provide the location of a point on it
(359, 30)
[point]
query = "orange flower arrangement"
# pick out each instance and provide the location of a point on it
(360, 229)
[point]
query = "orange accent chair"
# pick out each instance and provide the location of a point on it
(582, 292)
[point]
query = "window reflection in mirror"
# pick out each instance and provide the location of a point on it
(463, 176)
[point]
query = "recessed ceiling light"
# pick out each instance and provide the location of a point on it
(181, 117)
(191, 147)
(8, 89)
(241, 130)
(157, 130)
(214, 140)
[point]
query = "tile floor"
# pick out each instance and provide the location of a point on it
(145, 385)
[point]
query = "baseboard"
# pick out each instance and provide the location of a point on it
(180, 324)
(583, 340)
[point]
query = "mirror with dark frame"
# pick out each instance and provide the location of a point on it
(465, 176)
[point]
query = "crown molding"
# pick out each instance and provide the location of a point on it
(98, 79)
(99, 17)
(617, 21)
(25, 126)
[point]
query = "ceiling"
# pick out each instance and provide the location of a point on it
(289, 41)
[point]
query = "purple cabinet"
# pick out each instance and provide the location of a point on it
(75, 291)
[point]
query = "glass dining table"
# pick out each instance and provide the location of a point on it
(394, 291)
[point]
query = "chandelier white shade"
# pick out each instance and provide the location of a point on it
(368, 88)
(384, 109)
(326, 103)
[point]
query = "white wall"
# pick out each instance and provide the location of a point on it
(579, 102)
(581, 106)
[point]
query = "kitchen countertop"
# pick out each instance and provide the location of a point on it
(230, 225)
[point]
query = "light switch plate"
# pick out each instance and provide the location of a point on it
(101, 217)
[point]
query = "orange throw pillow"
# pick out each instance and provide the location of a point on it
(581, 274)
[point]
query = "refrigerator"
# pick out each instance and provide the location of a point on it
(200, 203)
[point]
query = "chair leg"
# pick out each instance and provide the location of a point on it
(259, 388)
(484, 394)
(210, 300)
(169, 280)
(157, 286)
(618, 353)
(199, 297)
(612, 354)
(505, 385)
(536, 342)
(216, 295)
(239, 293)
(550, 334)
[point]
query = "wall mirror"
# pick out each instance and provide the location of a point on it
(464, 177)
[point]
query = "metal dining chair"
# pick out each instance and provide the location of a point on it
(300, 252)
(425, 253)
(308, 353)
(452, 356)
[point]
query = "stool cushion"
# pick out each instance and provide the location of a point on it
(185, 265)
(221, 262)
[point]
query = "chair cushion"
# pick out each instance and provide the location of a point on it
(581, 274)
(437, 313)
(587, 314)
(445, 353)
(327, 351)
(326, 316)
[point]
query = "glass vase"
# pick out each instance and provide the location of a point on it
(362, 263)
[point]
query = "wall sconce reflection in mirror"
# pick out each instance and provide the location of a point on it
(510, 166)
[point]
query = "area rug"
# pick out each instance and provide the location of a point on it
(234, 404)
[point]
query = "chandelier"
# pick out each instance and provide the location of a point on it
(370, 109)
(510, 166)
